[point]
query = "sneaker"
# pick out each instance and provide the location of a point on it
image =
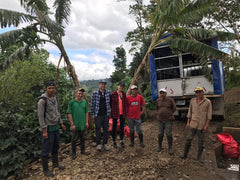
(122, 145)
(99, 147)
(114, 145)
(106, 147)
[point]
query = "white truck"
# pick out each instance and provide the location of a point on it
(180, 73)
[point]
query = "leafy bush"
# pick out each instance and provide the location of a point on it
(20, 140)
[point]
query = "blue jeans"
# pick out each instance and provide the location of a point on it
(51, 144)
(162, 125)
(137, 123)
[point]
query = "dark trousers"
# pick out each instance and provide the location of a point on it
(101, 122)
(200, 133)
(122, 121)
(76, 135)
(51, 144)
(165, 125)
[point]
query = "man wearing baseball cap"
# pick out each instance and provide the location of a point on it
(50, 122)
(78, 116)
(118, 111)
(165, 108)
(134, 104)
(199, 116)
(100, 111)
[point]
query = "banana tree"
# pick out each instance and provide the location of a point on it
(40, 28)
(176, 17)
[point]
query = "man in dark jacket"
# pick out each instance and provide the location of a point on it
(100, 111)
(118, 111)
(49, 120)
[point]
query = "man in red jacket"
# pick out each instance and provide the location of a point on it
(118, 111)
(134, 104)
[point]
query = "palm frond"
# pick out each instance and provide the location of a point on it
(13, 18)
(174, 7)
(32, 6)
(195, 11)
(62, 10)
(10, 38)
(196, 47)
(226, 36)
(201, 34)
(51, 27)
(17, 55)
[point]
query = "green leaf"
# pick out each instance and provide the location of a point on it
(13, 18)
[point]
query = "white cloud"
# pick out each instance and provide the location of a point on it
(99, 26)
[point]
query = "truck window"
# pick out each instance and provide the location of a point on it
(191, 65)
(167, 63)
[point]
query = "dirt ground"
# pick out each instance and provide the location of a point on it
(143, 163)
(137, 162)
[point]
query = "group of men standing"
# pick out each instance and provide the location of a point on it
(119, 106)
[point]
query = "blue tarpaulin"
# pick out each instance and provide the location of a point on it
(153, 77)
(218, 73)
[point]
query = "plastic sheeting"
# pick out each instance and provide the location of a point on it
(218, 73)
(153, 77)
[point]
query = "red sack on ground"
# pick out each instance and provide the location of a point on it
(224, 138)
(230, 146)
(127, 132)
(110, 125)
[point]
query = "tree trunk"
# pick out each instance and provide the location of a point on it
(70, 68)
(136, 76)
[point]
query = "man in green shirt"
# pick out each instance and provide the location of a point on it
(78, 117)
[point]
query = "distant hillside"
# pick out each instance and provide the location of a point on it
(93, 84)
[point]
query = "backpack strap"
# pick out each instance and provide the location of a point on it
(45, 105)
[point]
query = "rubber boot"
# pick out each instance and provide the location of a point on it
(199, 155)
(82, 143)
(55, 162)
(170, 150)
(132, 139)
(73, 151)
(160, 139)
(46, 171)
(141, 140)
(186, 150)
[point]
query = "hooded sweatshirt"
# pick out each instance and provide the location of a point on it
(52, 114)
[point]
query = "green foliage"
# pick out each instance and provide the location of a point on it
(232, 71)
(19, 139)
(119, 62)
(23, 80)
(150, 104)
(20, 85)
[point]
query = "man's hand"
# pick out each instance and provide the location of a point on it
(44, 133)
(63, 127)
(87, 125)
(187, 125)
(205, 129)
(73, 127)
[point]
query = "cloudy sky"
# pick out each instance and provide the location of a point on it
(95, 29)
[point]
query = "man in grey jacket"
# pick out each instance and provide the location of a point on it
(50, 121)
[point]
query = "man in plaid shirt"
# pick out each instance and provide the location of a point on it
(118, 107)
(100, 111)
